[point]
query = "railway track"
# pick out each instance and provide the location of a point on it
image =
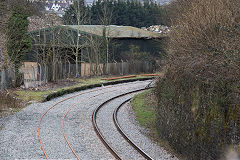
(44, 114)
(98, 131)
(63, 131)
(65, 115)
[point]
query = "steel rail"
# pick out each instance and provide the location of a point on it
(65, 115)
(99, 133)
(124, 135)
(39, 123)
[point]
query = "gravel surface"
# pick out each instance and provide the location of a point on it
(110, 133)
(137, 134)
(19, 135)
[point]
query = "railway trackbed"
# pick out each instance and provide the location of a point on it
(70, 108)
(63, 131)
(62, 128)
(123, 151)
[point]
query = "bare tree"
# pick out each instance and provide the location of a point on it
(206, 38)
(105, 18)
(80, 11)
(75, 40)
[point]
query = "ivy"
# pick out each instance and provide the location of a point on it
(18, 42)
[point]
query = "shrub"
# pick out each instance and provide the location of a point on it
(8, 101)
(198, 119)
(198, 98)
(205, 39)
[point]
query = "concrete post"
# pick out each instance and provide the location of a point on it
(3, 80)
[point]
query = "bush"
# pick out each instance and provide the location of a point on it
(198, 119)
(205, 39)
(199, 105)
(8, 101)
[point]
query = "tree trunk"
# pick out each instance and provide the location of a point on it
(16, 75)
(76, 62)
(45, 73)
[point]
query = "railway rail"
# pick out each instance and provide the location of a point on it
(69, 109)
(101, 136)
(120, 130)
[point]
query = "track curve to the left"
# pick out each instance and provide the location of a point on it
(38, 127)
(39, 124)
(84, 96)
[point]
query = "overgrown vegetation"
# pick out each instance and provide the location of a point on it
(18, 42)
(9, 103)
(145, 108)
(199, 105)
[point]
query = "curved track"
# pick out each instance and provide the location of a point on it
(101, 136)
(65, 137)
(65, 115)
(115, 119)
(62, 128)
(39, 124)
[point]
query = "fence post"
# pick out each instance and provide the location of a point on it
(122, 66)
(3, 79)
(47, 73)
(40, 74)
(33, 76)
(69, 69)
(61, 65)
(65, 74)
(85, 69)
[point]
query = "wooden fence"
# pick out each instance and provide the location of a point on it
(35, 74)
(122, 68)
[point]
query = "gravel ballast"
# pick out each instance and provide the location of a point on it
(19, 135)
(110, 133)
(138, 134)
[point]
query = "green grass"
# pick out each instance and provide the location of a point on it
(144, 110)
(144, 106)
(38, 96)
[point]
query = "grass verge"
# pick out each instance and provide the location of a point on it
(144, 106)
(39, 96)
(144, 109)
(30, 96)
